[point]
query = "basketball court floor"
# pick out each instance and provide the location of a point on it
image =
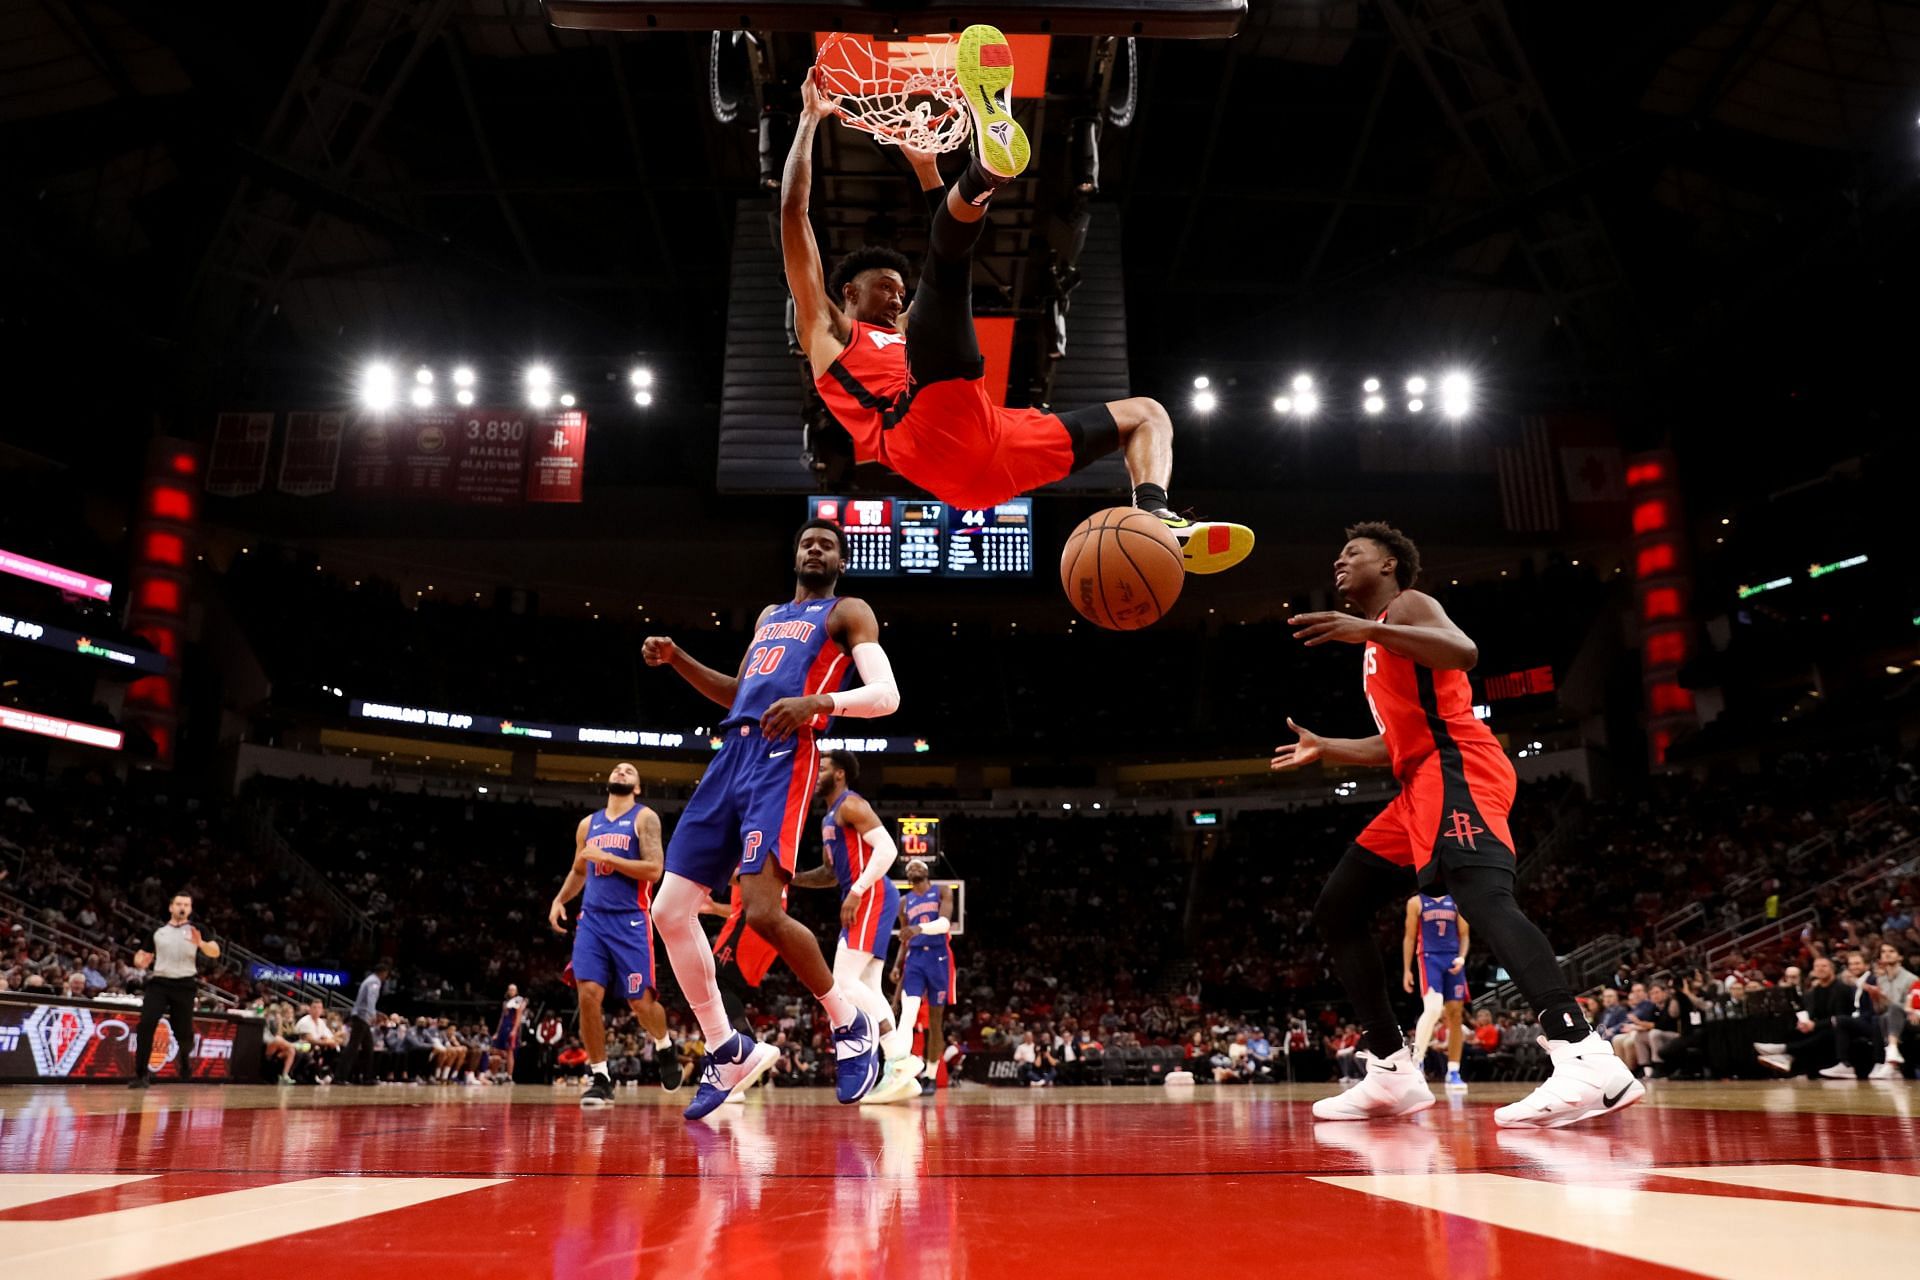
(1797, 1179)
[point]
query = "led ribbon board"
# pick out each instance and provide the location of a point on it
(52, 575)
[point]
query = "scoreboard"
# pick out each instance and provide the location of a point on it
(920, 838)
(922, 537)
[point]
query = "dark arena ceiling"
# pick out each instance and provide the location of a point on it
(1687, 213)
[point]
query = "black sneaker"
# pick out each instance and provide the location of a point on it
(599, 1093)
(139, 1082)
(671, 1074)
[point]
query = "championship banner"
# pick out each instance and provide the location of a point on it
(474, 457)
(310, 454)
(237, 464)
(559, 462)
(94, 1040)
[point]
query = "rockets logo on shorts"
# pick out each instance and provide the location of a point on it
(1462, 829)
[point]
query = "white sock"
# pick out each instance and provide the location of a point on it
(848, 968)
(1430, 1011)
(897, 1043)
(663, 1044)
(840, 1010)
(597, 1068)
(676, 918)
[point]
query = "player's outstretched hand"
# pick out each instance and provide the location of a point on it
(790, 715)
(557, 917)
(1294, 755)
(814, 99)
(657, 651)
(1321, 628)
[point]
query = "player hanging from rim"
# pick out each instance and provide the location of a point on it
(613, 945)
(908, 384)
(857, 854)
(1448, 827)
(749, 808)
(925, 967)
(1435, 949)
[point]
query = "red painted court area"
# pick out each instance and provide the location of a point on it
(1722, 1180)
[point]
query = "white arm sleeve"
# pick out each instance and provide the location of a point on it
(885, 852)
(937, 925)
(877, 694)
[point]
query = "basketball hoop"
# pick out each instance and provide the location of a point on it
(902, 91)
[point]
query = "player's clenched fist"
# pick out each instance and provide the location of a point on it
(657, 651)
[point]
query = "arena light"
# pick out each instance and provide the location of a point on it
(1374, 404)
(1305, 403)
(1202, 382)
(643, 397)
(640, 376)
(423, 376)
(377, 386)
(464, 395)
(463, 376)
(1302, 382)
(1205, 401)
(1456, 395)
(422, 396)
(566, 399)
(1416, 385)
(539, 397)
(1370, 386)
(1283, 404)
(1415, 405)
(539, 377)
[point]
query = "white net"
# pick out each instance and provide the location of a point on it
(901, 91)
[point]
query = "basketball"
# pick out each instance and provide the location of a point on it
(1121, 569)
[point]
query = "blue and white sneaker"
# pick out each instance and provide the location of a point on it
(736, 1064)
(1454, 1080)
(856, 1052)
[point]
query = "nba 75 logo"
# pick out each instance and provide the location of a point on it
(1460, 828)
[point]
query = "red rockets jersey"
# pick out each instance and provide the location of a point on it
(1420, 711)
(865, 389)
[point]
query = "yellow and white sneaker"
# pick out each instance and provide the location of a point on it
(900, 1082)
(983, 62)
(1209, 546)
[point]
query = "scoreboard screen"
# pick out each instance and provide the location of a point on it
(922, 537)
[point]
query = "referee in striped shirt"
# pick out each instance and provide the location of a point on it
(170, 987)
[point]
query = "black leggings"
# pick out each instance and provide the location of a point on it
(1363, 882)
(941, 342)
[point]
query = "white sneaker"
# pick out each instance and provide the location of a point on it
(1769, 1048)
(1893, 1053)
(1838, 1071)
(1588, 1080)
(899, 1081)
(1885, 1071)
(1777, 1061)
(1393, 1086)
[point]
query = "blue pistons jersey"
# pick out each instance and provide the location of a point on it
(791, 656)
(613, 942)
(928, 972)
(1439, 926)
(921, 908)
(850, 854)
(608, 890)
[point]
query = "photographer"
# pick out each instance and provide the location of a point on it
(1686, 1053)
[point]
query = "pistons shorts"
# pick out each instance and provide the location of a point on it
(928, 974)
(1436, 975)
(1451, 811)
(748, 810)
(872, 929)
(614, 949)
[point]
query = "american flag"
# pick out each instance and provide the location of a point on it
(1529, 489)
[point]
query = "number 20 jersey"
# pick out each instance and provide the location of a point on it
(791, 656)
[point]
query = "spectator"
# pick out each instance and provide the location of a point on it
(316, 1037)
(1835, 1016)
(1894, 981)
